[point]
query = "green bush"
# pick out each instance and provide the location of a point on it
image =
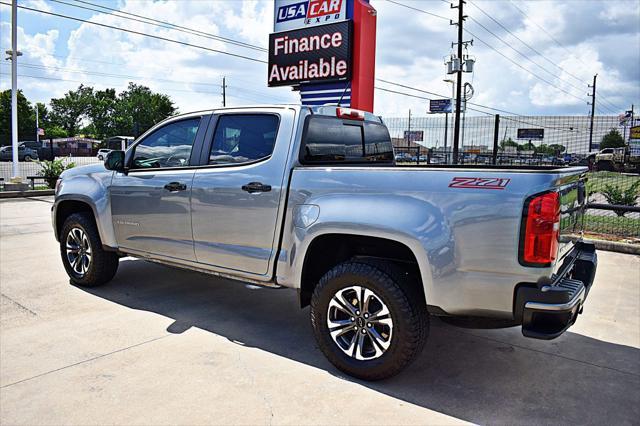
(51, 170)
(626, 197)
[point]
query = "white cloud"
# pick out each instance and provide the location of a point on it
(36, 4)
(410, 50)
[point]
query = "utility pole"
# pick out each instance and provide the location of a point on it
(593, 110)
(456, 125)
(409, 134)
(14, 87)
(224, 91)
(446, 127)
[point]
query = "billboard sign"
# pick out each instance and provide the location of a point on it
(311, 54)
(439, 105)
(531, 134)
(413, 135)
(293, 14)
(634, 133)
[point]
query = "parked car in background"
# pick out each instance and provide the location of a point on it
(24, 153)
(34, 145)
(102, 153)
(48, 152)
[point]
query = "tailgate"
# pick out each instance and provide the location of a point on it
(573, 199)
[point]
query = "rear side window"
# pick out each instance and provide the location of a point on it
(243, 138)
(331, 140)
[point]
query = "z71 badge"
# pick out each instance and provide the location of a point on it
(479, 183)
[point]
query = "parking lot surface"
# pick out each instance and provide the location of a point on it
(162, 346)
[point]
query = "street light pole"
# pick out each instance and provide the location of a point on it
(14, 87)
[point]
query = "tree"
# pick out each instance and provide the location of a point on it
(102, 113)
(138, 108)
(53, 132)
(557, 148)
(26, 118)
(68, 111)
(553, 149)
(508, 143)
(527, 146)
(613, 139)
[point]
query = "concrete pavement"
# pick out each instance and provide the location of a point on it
(162, 346)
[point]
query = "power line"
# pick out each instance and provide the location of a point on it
(525, 43)
(104, 74)
(420, 10)
(552, 38)
(160, 23)
(524, 55)
(39, 77)
(521, 67)
(183, 43)
(444, 96)
(501, 54)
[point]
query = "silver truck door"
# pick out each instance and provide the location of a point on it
(236, 199)
(150, 204)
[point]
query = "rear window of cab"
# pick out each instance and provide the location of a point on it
(335, 140)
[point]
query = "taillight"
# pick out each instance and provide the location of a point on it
(351, 114)
(542, 230)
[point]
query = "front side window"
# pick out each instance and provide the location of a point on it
(169, 146)
(243, 138)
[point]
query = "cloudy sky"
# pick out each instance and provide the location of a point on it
(532, 57)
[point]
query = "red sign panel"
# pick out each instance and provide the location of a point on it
(318, 8)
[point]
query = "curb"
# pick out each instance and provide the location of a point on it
(30, 193)
(615, 246)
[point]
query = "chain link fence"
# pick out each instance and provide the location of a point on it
(614, 197)
(31, 170)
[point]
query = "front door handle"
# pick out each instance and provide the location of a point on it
(175, 187)
(256, 187)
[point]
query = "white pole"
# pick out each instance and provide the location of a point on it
(37, 126)
(14, 86)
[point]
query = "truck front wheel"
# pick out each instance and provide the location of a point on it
(605, 166)
(86, 263)
(368, 319)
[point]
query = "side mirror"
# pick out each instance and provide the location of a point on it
(115, 161)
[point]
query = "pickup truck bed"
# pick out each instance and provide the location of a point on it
(311, 199)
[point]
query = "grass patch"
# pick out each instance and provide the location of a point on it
(622, 226)
(598, 180)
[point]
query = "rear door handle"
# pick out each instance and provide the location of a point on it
(175, 186)
(256, 187)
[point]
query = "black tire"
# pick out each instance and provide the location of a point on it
(406, 305)
(27, 158)
(604, 166)
(103, 265)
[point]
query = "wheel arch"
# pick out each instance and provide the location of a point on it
(330, 249)
(66, 206)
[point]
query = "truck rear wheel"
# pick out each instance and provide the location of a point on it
(367, 320)
(86, 263)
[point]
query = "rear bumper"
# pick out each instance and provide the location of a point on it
(547, 310)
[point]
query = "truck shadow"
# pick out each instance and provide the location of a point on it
(482, 376)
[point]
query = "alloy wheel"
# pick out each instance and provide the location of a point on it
(360, 323)
(78, 251)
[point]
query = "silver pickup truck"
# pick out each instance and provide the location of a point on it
(310, 198)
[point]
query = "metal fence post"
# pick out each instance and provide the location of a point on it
(496, 131)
